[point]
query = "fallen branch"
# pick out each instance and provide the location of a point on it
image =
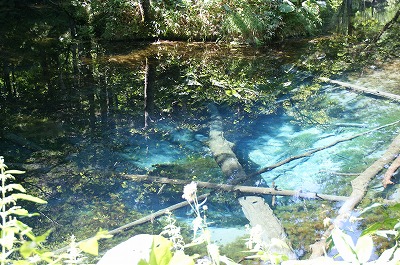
(390, 171)
(362, 89)
(359, 186)
(244, 189)
(309, 153)
(142, 220)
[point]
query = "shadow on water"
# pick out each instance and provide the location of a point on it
(102, 111)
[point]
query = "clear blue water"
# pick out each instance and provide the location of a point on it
(97, 140)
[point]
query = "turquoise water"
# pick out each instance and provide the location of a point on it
(270, 111)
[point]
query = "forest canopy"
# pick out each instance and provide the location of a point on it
(254, 22)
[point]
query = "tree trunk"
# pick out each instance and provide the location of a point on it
(222, 149)
(261, 215)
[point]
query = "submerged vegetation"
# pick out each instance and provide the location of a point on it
(87, 103)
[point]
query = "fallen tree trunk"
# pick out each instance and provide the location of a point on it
(140, 221)
(260, 214)
(359, 186)
(244, 189)
(362, 89)
(390, 171)
(309, 153)
(221, 149)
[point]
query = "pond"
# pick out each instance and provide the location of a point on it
(81, 118)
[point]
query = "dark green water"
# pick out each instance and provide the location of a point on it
(80, 117)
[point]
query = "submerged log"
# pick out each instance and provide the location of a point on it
(260, 214)
(362, 89)
(244, 189)
(221, 148)
(359, 186)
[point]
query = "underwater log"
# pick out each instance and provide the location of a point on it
(221, 148)
(262, 218)
(244, 189)
(362, 89)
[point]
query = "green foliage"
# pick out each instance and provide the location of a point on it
(361, 252)
(18, 242)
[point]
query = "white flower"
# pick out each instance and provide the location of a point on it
(189, 191)
(327, 221)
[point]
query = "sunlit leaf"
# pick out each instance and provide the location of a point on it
(160, 251)
(180, 258)
(366, 209)
(286, 7)
(385, 233)
(344, 245)
(13, 171)
(364, 248)
(90, 246)
(15, 186)
(27, 249)
(27, 197)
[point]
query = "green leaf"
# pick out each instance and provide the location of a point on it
(15, 186)
(13, 171)
(90, 246)
(344, 245)
(27, 249)
(27, 197)
(366, 209)
(160, 251)
(21, 212)
(180, 258)
(286, 7)
(364, 248)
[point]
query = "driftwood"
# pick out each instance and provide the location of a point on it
(309, 153)
(244, 189)
(260, 214)
(140, 221)
(359, 186)
(222, 149)
(362, 89)
(390, 171)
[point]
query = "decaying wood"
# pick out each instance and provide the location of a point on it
(221, 149)
(260, 214)
(359, 189)
(244, 189)
(140, 221)
(362, 89)
(309, 153)
(390, 171)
